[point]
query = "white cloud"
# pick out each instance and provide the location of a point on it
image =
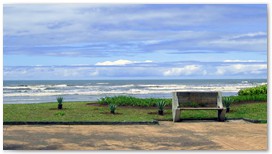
(236, 60)
(117, 62)
(189, 70)
(186, 70)
(241, 69)
(120, 62)
(248, 35)
(254, 41)
(122, 29)
(226, 42)
(94, 73)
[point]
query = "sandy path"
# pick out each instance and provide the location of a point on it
(234, 135)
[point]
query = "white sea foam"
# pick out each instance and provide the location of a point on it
(162, 87)
(86, 87)
(59, 85)
(148, 85)
(124, 86)
(102, 83)
(16, 88)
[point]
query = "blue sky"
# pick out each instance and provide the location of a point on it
(92, 41)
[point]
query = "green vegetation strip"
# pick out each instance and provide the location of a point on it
(258, 90)
(133, 101)
(82, 112)
(154, 122)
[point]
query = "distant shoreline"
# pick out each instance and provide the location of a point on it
(131, 79)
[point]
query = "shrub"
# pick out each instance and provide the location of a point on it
(60, 99)
(258, 90)
(255, 98)
(132, 101)
(112, 108)
(161, 105)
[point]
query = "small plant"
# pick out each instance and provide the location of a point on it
(60, 100)
(112, 108)
(60, 113)
(161, 105)
(227, 101)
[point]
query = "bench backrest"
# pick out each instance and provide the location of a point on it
(197, 100)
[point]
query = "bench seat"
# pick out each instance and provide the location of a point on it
(197, 101)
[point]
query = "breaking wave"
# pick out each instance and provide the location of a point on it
(75, 91)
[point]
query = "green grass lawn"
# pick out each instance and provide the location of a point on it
(80, 111)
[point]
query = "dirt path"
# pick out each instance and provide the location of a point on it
(233, 135)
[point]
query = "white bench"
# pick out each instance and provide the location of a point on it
(197, 101)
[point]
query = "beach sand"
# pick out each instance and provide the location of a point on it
(186, 135)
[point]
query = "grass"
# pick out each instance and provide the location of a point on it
(80, 111)
(254, 111)
(74, 111)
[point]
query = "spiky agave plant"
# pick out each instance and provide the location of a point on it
(227, 101)
(60, 100)
(112, 108)
(161, 105)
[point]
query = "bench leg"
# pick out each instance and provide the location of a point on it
(176, 115)
(221, 115)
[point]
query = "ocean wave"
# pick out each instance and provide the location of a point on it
(149, 85)
(64, 93)
(172, 87)
(124, 86)
(61, 89)
(245, 81)
(103, 92)
(16, 88)
(60, 85)
(102, 83)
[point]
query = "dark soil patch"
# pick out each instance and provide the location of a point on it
(246, 102)
(96, 104)
(58, 109)
(131, 107)
(116, 113)
(154, 113)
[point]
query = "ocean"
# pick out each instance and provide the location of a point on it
(39, 91)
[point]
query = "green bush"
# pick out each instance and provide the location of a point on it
(133, 101)
(246, 98)
(258, 90)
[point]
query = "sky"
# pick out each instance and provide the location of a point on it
(135, 41)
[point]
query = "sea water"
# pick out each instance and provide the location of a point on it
(38, 91)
